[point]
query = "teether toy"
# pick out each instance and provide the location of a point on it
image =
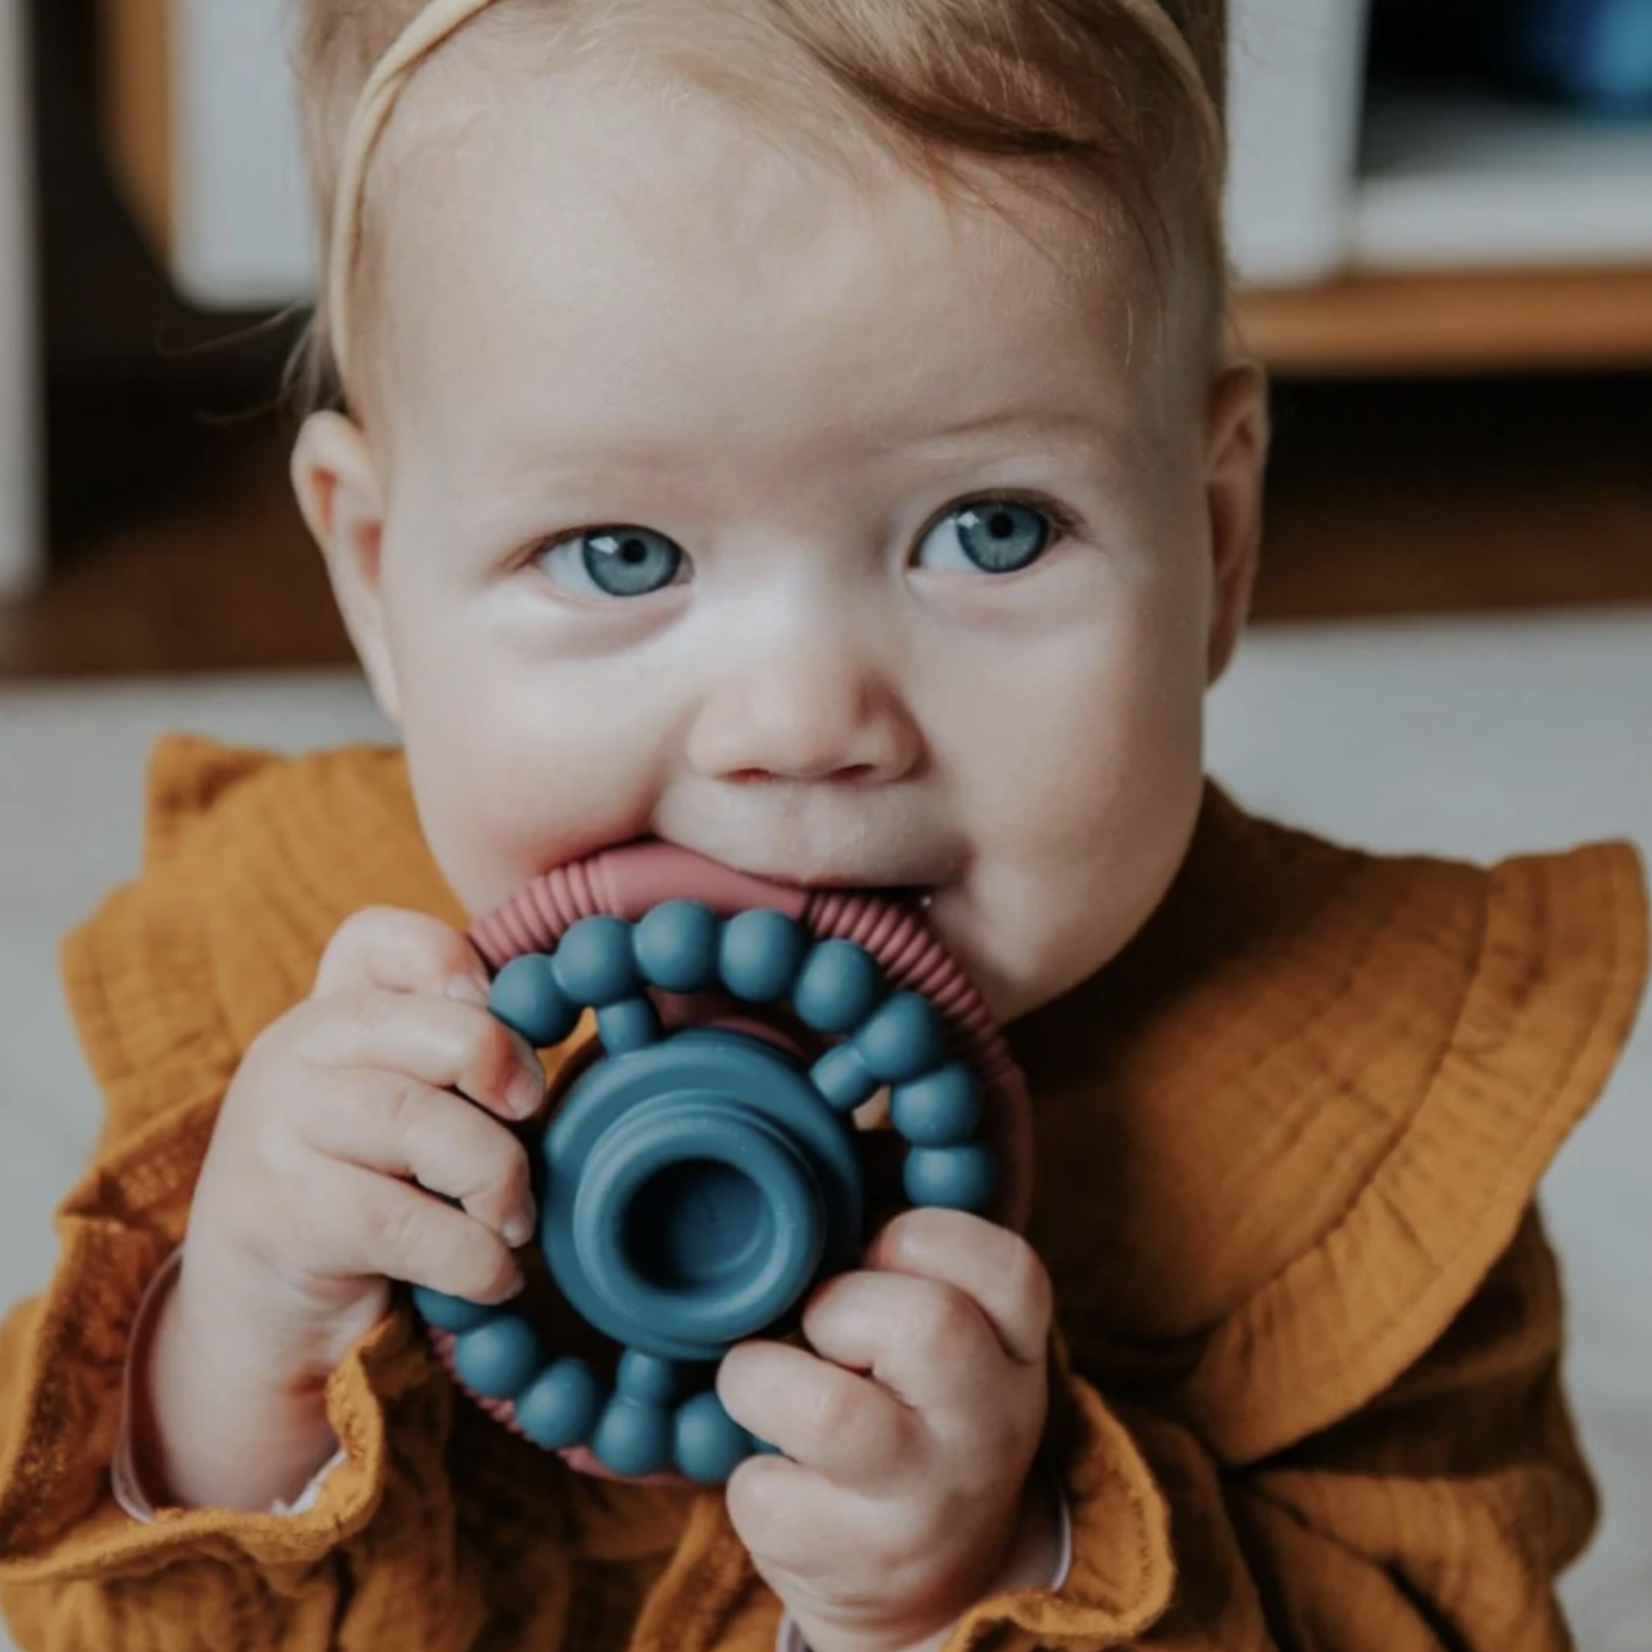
(699, 1178)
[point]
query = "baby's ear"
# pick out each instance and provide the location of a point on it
(338, 490)
(1236, 458)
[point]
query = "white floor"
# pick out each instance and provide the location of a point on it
(1477, 739)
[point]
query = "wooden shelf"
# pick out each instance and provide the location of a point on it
(1526, 321)
(136, 83)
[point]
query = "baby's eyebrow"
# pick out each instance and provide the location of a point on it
(1013, 427)
(598, 457)
(1034, 423)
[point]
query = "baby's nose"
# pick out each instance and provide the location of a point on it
(805, 713)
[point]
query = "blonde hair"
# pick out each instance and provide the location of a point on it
(1122, 95)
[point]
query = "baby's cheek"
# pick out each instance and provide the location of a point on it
(1130, 778)
(509, 783)
(474, 808)
(1103, 732)
(1082, 815)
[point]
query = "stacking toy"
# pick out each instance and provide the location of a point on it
(697, 1180)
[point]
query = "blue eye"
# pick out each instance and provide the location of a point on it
(614, 562)
(992, 536)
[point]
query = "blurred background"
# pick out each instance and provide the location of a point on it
(1442, 216)
(1442, 210)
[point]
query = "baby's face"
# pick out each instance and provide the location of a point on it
(804, 520)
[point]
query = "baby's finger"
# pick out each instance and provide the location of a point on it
(400, 1127)
(360, 1223)
(793, 1521)
(397, 951)
(841, 1425)
(438, 1041)
(926, 1342)
(998, 1270)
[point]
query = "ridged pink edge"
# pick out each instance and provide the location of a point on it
(630, 881)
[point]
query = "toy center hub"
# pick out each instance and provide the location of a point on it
(693, 1192)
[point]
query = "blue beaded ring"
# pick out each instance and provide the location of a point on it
(697, 1183)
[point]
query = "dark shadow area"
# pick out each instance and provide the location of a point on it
(1458, 496)
(146, 397)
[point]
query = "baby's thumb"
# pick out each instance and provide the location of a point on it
(395, 951)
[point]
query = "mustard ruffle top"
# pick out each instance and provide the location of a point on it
(1288, 1147)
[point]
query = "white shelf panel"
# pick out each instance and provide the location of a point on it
(1294, 70)
(1462, 181)
(243, 238)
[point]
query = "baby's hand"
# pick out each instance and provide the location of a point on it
(911, 1436)
(307, 1205)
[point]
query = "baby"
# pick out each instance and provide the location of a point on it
(806, 432)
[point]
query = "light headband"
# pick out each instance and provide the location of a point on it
(441, 19)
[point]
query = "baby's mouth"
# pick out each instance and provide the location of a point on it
(897, 844)
(890, 877)
(904, 892)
